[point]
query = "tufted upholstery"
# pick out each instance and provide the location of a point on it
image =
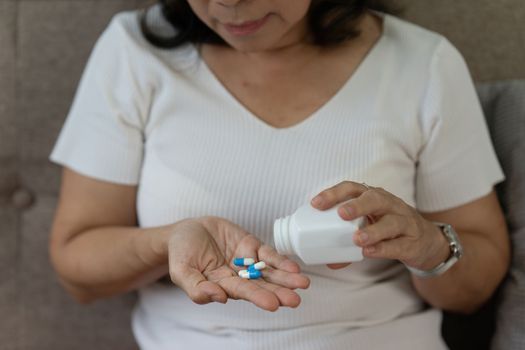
(44, 45)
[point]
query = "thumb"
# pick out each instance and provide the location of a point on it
(196, 286)
(338, 266)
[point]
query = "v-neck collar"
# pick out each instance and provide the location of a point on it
(366, 63)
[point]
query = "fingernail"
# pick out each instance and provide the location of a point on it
(371, 249)
(317, 201)
(349, 211)
(363, 237)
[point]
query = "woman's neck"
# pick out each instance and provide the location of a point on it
(294, 56)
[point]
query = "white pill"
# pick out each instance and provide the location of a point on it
(243, 261)
(257, 266)
(250, 274)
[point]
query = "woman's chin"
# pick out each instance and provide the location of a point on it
(248, 46)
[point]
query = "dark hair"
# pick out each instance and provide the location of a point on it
(330, 22)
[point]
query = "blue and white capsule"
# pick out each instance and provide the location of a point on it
(250, 274)
(257, 266)
(243, 261)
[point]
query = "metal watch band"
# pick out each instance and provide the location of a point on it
(456, 251)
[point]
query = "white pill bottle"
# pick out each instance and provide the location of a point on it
(318, 236)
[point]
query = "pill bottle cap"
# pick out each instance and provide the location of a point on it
(281, 236)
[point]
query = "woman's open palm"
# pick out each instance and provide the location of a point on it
(201, 253)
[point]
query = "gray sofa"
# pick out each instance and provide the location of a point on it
(44, 45)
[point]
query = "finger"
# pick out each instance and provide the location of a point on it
(391, 249)
(341, 192)
(233, 241)
(247, 248)
(278, 261)
(286, 297)
(239, 288)
(196, 286)
(337, 266)
(375, 202)
(286, 279)
(388, 227)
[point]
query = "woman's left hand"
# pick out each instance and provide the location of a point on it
(395, 230)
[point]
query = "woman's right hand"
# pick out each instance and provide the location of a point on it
(201, 253)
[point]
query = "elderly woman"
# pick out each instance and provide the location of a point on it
(181, 150)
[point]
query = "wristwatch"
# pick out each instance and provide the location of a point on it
(456, 252)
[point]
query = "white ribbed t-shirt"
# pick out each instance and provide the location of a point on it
(407, 120)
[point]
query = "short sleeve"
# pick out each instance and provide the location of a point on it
(102, 136)
(456, 163)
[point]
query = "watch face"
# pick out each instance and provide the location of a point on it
(455, 248)
(455, 244)
(460, 251)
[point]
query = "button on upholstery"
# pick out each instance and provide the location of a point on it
(22, 199)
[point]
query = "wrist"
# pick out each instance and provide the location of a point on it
(454, 254)
(439, 250)
(160, 240)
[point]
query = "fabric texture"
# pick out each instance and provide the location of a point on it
(500, 320)
(44, 46)
(504, 103)
(161, 120)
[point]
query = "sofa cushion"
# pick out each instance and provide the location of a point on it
(500, 321)
(504, 105)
